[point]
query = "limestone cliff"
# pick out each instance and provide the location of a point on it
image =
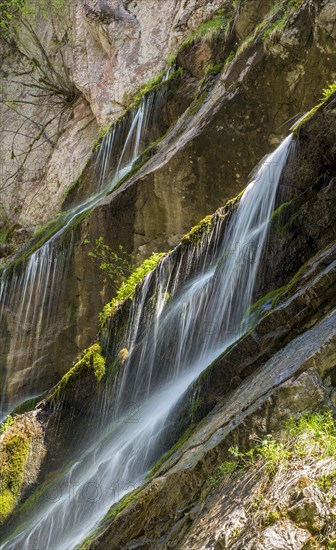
(170, 106)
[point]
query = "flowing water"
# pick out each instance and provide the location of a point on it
(168, 351)
(31, 296)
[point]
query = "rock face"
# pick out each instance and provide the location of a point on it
(204, 159)
(236, 93)
(115, 48)
(282, 368)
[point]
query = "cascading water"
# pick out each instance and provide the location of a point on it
(166, 355)
(30, 297)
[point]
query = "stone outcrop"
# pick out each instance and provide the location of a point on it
(235, 109)
(283, 367)
(203, 161)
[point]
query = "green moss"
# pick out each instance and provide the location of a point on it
(214, 69)
(145, 156)
(284, 11)
(329, 91)
(197, 233)
(27, 405)
(153, 85)
(91, 362)
(233, 203)
(42, 495)
(305, 118)
(42, 235)
(7, 504)
(4, 234)
(196, 408)
(171, 451)
(6, 424)
(229, 58)
(112, 514)
(197, 103)
(75, 185)
(104, 130)
(268, 302)
(128, 287)
(264, 305)
(117, 508)
(326, 94)
(217, 24)
(14, 455)
(279, 211)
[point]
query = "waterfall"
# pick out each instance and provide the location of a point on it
(31, 296)
(167, 352)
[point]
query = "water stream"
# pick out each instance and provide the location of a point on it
(31, 296)
(168, 351)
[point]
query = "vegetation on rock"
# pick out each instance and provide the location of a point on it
(128, 287)
(326, 95)
(92, 362)
(114, 266)
(289, 483)
(197, 233)
(14, 454)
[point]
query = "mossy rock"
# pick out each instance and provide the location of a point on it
(197, 233)
(91, 365)
(127, 289)
(14, 454)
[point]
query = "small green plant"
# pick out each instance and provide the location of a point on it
(216, 24)
(113, 266)
(327, 92)
(325, 482)
(214, 69)
(314, 435)
(227, 467)
(271, 518)
(9, 9)
(6, 424)
(274, 453)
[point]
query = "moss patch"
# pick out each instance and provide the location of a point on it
(280, 211)
(197, 233)
(91, 362)
(217, 24)
(327, 93)
(128, 287)
(171, 451)
(27, 405)
(15, 449)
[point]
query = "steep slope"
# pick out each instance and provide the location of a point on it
(237, 68)
(182, 368)
(282, 366)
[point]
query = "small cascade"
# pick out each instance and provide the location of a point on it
(167, 351)
(122, 145)
(31, 296)
(28, 308)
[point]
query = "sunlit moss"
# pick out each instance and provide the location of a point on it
(91, 362)
(14, 454)
(127, 288)
(197, 233)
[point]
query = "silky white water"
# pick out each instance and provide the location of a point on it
(168, 351)
(30, 298)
